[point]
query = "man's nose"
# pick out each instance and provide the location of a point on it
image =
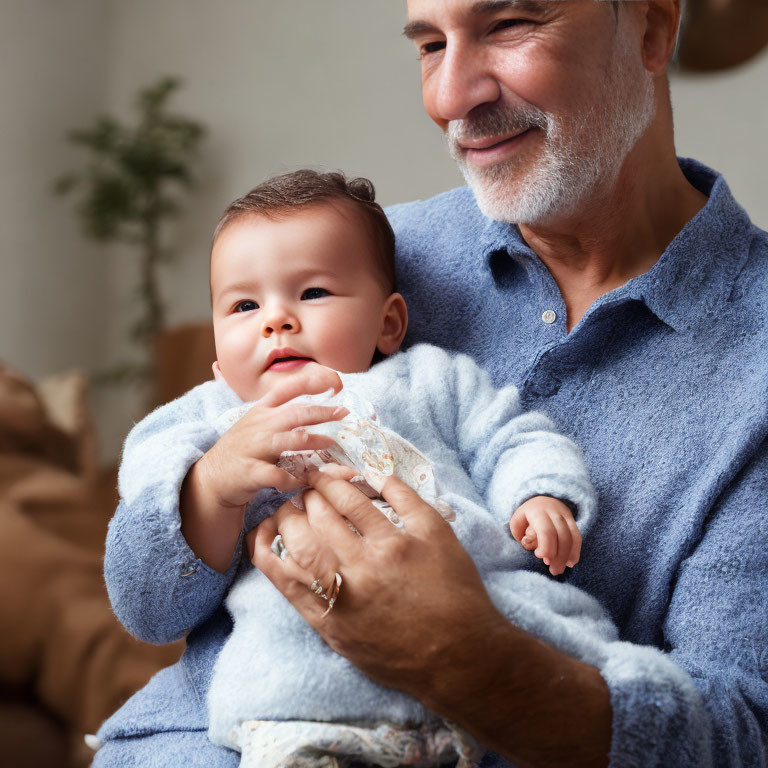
(278, 318)
(465, 81)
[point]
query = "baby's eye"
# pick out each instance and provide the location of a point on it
(314, 293)
(247, 305)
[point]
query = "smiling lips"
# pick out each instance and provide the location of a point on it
(488, 150)
(286, 359)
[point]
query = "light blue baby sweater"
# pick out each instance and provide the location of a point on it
(489, 456)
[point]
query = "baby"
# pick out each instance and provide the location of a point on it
(302, 285)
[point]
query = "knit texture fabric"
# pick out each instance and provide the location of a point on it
(489, 456)
(664, 385)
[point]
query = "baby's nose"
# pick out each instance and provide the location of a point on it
(270, 328)
(279, 320)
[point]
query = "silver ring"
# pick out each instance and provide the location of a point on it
(278, 547)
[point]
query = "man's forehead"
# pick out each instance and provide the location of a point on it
(424, 13)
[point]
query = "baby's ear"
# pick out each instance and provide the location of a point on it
(217, 371)
(393, 326)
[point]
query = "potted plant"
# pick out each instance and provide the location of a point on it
(132, 185)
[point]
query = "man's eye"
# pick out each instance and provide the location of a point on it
(507, 23)
(426, 48)
(246, 306)
(314, 293)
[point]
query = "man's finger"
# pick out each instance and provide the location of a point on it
(331, 527)
(351, 503)
(315, 558)
(291, 581)
(415, 513)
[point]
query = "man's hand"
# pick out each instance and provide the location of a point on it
(414, 615)
(242, 462)
(400, 579)
(546, 526)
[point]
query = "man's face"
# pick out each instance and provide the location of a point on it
(293, 290)
(540, 100)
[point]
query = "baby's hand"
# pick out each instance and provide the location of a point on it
(242, 462)
(546, 525)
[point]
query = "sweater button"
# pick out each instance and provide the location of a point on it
(549, 316)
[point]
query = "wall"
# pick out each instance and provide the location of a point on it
(722, 120)
(53, 74)
(280, 85)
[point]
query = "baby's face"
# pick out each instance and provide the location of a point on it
(293, 290)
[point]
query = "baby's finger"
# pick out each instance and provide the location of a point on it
(288, 417)
(558, 559)
(518, 525)
(530, 540)
(339, 471)
(575, 553)
(546, 534)
(314, 379)
(264, 474)
(299, 440)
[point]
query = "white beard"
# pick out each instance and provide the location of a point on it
(583, 152)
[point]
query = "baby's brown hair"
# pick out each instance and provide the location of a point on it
(282, 195)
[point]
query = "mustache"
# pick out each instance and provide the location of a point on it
(494, 120)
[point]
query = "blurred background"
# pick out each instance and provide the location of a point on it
(273, 86)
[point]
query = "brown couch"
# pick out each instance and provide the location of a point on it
(65, 662)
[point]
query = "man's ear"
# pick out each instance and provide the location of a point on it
(662, 22)
(217, 371)
(393, 326)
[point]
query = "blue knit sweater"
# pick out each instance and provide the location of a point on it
(664, 385)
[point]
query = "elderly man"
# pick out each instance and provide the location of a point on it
(624, 293)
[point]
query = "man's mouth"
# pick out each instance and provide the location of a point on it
(492, 149)
(490, 143)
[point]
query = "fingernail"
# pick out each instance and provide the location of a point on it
(570, 563)
(340, 411)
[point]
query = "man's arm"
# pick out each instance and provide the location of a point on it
(716, 628)
(702, 704)
(158, 587)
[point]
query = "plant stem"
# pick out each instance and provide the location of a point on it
(155, 317)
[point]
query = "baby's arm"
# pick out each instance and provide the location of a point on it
(239, 465)
(159, 586)
(516, 458)
(546, 526)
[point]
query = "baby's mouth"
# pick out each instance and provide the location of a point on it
(288, 363)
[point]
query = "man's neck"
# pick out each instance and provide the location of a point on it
(617, 236)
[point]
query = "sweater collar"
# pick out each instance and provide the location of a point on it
(695, 273)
